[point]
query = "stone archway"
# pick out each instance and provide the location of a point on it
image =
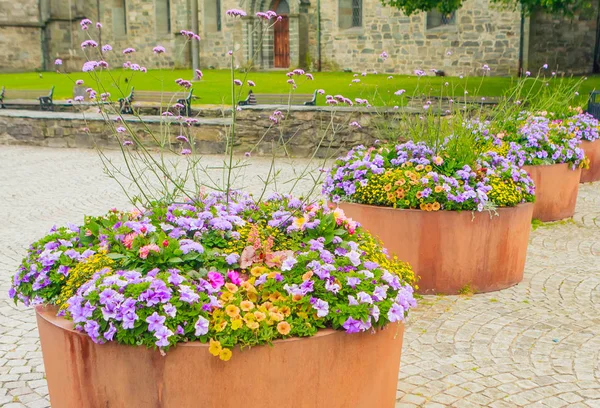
(260, 45)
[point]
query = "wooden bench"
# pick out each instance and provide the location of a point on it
(280, 99)
(27, 97)
(163, 98)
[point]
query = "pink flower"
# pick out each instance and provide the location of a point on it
(399, 92)
(127, 143)
(309, 77)
(356, 80)
(85, 23)
(236, 13)
(128, 240)
(159, 49)
(106, 48)
(79, 82)
(390, 77)
(128, 50)
(186, 152)
(251, 83)
(98, 25)
(321, 91)
(247, 257)
(237, 82)
(89, 43)
(355, 125)
(384, 55)
(234, 277)
(291, 82)
(58, 61)
(216, 279)
(190, 35)
(199, 74)
(143, 69)
(146, 249)
(78, 99)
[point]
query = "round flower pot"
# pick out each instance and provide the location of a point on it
(592, 151)
(556, 187)
(453, 251)
(331, 369)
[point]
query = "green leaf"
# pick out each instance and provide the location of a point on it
(115, 256)
(175, 260)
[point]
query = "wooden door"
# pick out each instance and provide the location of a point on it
(282, 43)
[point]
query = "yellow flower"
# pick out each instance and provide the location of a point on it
(252, 296)
(285, 310)
(226, 296)
(231, 287)
(236, 324)
(219, 327)
(284, 328)
(225, 354)
(276, 317)
(419, 167)
(252, 325)
(232, 311)
(246, 305)
(215, 347)
(438, 189)
(428, 168)
(436, 206)
(258, 270)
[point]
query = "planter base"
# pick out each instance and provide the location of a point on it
(592, 151)
(556, 188)
(331, 369)
(451, 251)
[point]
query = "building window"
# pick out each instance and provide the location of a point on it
(436, 18)
(218, 17)
(212, 16)
(350, 13)
(163, 16)
(119, 17)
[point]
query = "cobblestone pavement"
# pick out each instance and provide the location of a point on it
(536, 344)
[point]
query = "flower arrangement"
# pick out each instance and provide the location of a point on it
(583, 126)
(415, 176)
(221, 269)
(539, 140)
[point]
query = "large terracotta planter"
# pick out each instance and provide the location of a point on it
(451, 250)
(331, 369)
(556, 188)
(592, 151)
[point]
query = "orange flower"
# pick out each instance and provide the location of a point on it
(232, 311)
(284, 328)
(419, 194)
(296, 297)
(307, 275)
(259, 316)
(285, 310)
(274, 297)
(438, 189)
(400, 194)
(231, 287)
(246, 305)
(428, 207)
(387, 187)
(422, 206)
(419, 167)
(258, 270)
(436, 206)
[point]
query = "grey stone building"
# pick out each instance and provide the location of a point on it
(312, 34)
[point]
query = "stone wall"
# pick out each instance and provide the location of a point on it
(305, 130)
(566, 44)
(480, 35)
(20, 45)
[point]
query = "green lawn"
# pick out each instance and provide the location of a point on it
(214, 88)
